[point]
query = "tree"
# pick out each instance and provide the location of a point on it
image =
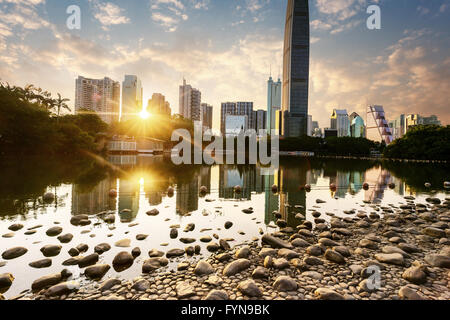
(60, 103)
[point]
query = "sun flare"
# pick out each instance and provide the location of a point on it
(144, 115)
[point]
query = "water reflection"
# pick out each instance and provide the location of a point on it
(147, 178)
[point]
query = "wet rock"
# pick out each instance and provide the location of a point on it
(243, 253)
(122, 261)
(328, 242)
(190, 227)
(288, 254)
(300, 243)
(102, 248)
(65, 238)
(280, 264)
(249, 288)
(8, 235)
(203, 268)
(88, 260)
(75, 220)
(183, 266)
(409, 248)
(328, 294)
(312, 274)
(153, 264)
(6, 281)
(366, 286)
(46, 281)
(141, 237)
(334, 256)
(356, 269)
(15, 227)
(415, 274)
(343, 250)
(141, 285)
(190, 251)
(390, 258)
(236, 267)
(175, 253)
(223, 257)
(268, 262)
(434, 232)
(62, 289)
(285, 284)
(264, 252)
(82, 248)
(154, 253)
(109, 284)
(205, 239)
(276, 242)
(173, 233)
(314, 250)
(228, 225)
(217, 295)
(14, 253)
(40, 264)
(369, 244)
(51, 250)
(185, 290)
(438, 261)
(110, 218)
(260, 273)
(312, 261)
(97, 271)
(54, 231)
(136, 252)
(213, 247)
(153, 212)
(73, 252)
(124, 243)
(72, 261)
(224, 245)
(187, 240)
(407, 293)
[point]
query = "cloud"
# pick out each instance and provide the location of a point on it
(109, 14)
(170, 13)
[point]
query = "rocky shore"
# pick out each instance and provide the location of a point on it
(406, 247)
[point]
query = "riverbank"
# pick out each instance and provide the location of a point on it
(409, 243)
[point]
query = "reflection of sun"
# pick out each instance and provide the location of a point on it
(144, 114)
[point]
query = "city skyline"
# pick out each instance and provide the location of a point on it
(402, 66)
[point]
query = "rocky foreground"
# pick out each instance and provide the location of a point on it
(339, 260)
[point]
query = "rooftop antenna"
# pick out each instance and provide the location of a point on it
(271, 70)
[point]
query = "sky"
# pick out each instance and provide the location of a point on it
(229, 48)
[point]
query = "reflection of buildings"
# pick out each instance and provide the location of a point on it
(129, 191)
(231, 176)
(380, 178)
(356, 181)
(342, 183)
(187, 197)
(205, 178)
(272, 203)
(94, 201)
(289, 183)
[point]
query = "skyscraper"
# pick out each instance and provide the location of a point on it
(357, 126)
(238, 109)
(377, 125)
(296, 69)
(260, 120)
(340, 122)
(158, 105)
(132, 98)
(101, 96)
(207, 111)
(274, 90)
(190, 102)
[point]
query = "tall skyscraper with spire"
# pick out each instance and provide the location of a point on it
(273, 102)
(294, 115)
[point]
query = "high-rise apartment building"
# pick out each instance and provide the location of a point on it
(274, 91)
(158, 105)
(190, 102)
(296, 69)
(101, 96)
(357, 126)
(341, 122)
(207, 111)
(260, 120)
(132, 98)
(238, 109)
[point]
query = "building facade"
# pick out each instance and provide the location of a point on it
(132, 98)
(357, 126)
(101, 96)
(158, 105)
(190, 102)
(341, 122)
(260, 120)
(207, 111)
(235, 124)
(377, 126)
(274, 91)
(296, 69)
(237, 109)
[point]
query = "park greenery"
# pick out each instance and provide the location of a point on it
(31, 123)
(429, 142)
